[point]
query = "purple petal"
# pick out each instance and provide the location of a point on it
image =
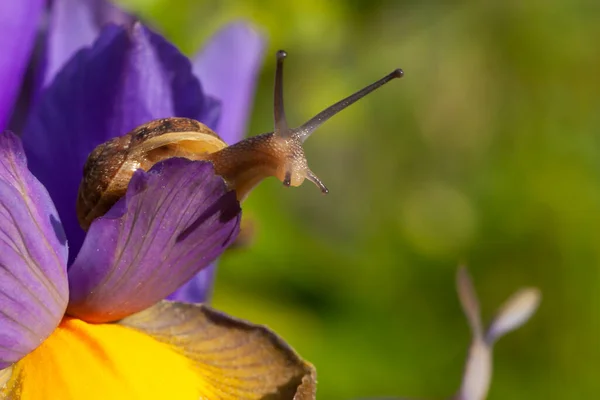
(173, 221)
(33, 257)
(72, 25)
(18, 27)
(228, 68)
(129, 77)
(75, 24)
(198, 289)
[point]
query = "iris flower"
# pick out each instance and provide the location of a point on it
(82, 315)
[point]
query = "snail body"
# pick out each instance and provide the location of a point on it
(111, 165)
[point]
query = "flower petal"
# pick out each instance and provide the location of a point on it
(468, 300)
(73, 25)
(228, 68)
(174, 221)
(18, 28)
(33, 255)
(514, 313)
(478, 372)
(129, 77)
(198, 289)
(236, 359)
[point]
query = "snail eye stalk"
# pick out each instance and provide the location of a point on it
(281, 126)
(296, 168)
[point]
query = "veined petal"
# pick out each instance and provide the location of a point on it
(235, 359)
(199, 289)
(18, 28)
(174, 220)
(129, 77)
(228, 67)
(73, 25)
(33, 257)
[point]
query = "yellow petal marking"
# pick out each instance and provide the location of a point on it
(104, 361)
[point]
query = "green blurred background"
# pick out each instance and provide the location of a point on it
(487, 152)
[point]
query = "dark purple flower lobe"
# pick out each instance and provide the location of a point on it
(174, 221)
(33, 257)
(74, 25)
(127, 78)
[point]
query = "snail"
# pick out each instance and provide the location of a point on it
(111, 165)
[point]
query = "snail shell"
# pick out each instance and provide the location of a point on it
(111, 165)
